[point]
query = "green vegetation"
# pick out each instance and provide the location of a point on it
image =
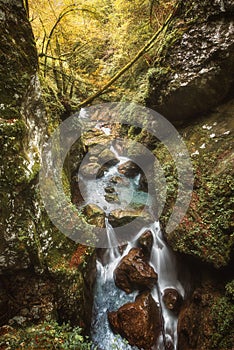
(223, 315)
(47, 335)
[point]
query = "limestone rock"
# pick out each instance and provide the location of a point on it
(138, 322)
(119, 217)
(196, 61)
(133, 272)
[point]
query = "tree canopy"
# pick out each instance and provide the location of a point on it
(82, 45)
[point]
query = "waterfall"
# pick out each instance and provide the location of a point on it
(164, 262)
(107, 297)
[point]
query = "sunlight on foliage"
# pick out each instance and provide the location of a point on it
(81, 45)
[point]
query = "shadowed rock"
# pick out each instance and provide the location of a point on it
(129, 169)
(146, 242)
(108, 158)
(172, 299)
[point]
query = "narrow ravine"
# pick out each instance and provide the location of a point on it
(114, 191)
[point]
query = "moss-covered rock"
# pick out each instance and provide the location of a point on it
(18, 57)
(206, 229)
(205, 321)
(37, 280)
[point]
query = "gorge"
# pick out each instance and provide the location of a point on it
(55, 292)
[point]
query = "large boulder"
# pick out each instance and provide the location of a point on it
(91, 170)
(195, 66)
(133, 272)
(139, 322)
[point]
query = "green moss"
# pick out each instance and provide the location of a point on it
(18, 58)
(206, 230)
(223, 315)
(230, 290)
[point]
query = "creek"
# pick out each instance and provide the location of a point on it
(107, 296)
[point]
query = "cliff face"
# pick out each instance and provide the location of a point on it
(37, 281)
(191, 84)
(195, 68)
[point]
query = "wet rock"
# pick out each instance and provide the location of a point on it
(91, 170)
(133, 272)
(138, 322)
(108, 158)
(146, 242)
(172, 299)
(119, 217)
(169, 345)
(120, 180)
(112, 198)
(94, 215)
(129, 169)
(143, 184)
(109, 189)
